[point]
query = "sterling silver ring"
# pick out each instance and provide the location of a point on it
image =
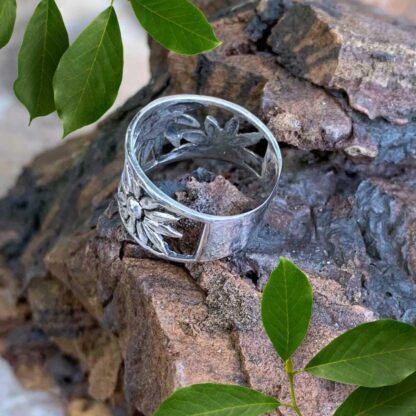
(191, 128)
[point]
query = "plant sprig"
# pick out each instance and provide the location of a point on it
(7, 20)
(379, 357)
(81, 81)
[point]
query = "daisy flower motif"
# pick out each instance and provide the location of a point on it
(212, 133)
(146, 220)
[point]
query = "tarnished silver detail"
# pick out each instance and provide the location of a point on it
(212, 135)
(187, 124)
(141, 217)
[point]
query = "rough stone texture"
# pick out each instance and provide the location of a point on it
(158, 313)
(140, 327)
(391, 146)
(345, 46)
(244, 71)
(233, 70)
(208, 196)
(323, 126)
(217, 317)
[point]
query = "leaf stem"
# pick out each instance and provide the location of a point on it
(291, 377)
(298, 371)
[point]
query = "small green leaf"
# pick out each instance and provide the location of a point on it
(176, 24)
(374, 354)
(44, 42)
(7, 20)
(216, 400)
(286, 308)
(397, 400)
(89, 74)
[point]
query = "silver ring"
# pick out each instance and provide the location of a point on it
(190, 127)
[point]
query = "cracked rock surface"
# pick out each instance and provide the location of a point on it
(136, 327)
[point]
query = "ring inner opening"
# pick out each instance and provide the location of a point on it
(196, 152)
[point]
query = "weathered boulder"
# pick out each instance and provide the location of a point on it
(165, 322)
(244, 70)
(347, 47)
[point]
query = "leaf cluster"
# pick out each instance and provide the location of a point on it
(379, 357)
(81, 81)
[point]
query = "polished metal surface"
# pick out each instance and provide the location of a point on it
(183, 127)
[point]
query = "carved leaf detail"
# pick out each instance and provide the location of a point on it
(211, 134)
(164, 229)
(155, 238)
(143, 217)
(187, 120)
(232, 126)
(161, 217)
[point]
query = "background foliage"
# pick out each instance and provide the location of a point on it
(81, 81)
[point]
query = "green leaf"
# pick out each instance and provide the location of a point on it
(374, 354)
(176, 24)
(286, 308)
(216, 400)
(89, 74)
(7, 20)
(397, 400)
(44, 42)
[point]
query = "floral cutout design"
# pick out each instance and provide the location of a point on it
(145, 218)
(212, 133)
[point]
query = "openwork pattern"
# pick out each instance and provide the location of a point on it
(144, 217)
(212, 134)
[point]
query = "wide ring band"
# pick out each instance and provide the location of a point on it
(182, 127)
